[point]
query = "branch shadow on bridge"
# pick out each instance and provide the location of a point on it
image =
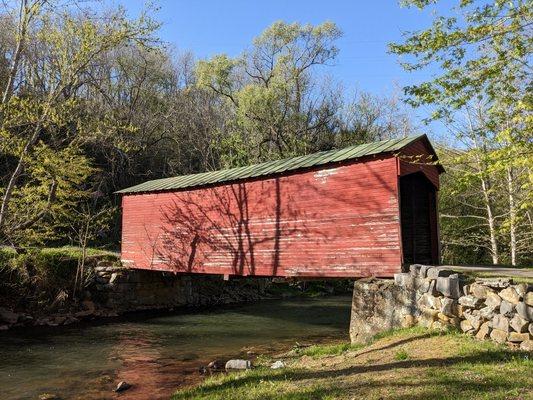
(205, 230)
(244, 228)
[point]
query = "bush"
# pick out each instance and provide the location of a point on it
(40, 275)
(12, 277)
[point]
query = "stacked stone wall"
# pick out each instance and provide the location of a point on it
(113, 290)
(122, 289)
(487, 308)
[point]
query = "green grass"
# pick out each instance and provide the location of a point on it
(261, 383)
(76, 252)
(516, 279)
(318, 351)
(401, 355)
(40, 274)
(399, 365)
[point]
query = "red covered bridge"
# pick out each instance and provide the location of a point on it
(361, 211)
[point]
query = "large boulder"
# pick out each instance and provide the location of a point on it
(484, 331)
(449, 286)
(522, 289)
(480, 291)
(528, 299)
(498, 336)
(487, 313)
(379, 305)
(526, 345)
(466, 326)
(493, 300)
(435, 272)
(516, 337)
(495, 283)
(469, 301)
(428, 300)
(474, 320)
(427, 317)
(507, 308)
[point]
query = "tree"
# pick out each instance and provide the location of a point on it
(367, 118)
(483, 52)
(42, 114)
(279, 109)
(89, 223)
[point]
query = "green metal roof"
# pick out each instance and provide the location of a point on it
(272, 167)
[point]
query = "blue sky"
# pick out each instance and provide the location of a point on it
(211, 27)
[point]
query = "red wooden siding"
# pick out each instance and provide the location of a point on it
(416, 157)
(337, 221)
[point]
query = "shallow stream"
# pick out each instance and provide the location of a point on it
(158, 353)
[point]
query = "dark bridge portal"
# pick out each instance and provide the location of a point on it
(418, 215)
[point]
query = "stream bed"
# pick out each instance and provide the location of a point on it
(158, 353)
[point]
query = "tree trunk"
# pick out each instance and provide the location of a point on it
(512, 214)
(22, 31)
(6, 199)
(485, 186)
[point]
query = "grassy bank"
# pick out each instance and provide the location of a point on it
(36, 277)
(407, 364)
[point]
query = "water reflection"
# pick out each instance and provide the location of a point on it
(156, 354)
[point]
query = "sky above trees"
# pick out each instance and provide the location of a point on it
(211, 27)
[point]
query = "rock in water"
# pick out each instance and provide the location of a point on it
(122, 386)
(216, 365)
(278, 364)
(238, 364)
(49, 396)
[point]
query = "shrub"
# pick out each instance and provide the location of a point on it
(40, 275)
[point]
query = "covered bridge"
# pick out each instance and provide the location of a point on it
(360, 211)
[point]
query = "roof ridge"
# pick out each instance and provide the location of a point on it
(261, 169)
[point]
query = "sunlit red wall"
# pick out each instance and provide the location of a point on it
(339, 221)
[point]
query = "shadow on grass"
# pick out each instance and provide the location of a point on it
(397, 343)
(439, 382)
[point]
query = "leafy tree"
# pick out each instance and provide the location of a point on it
(43, 124)
(483, 91)
(279, 110)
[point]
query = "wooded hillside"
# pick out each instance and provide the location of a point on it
(93, 101)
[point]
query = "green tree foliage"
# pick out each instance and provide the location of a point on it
(98, 104)
(483, 94)
(44, 121)
(279, 110)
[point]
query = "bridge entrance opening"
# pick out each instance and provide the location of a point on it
(418, 207)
